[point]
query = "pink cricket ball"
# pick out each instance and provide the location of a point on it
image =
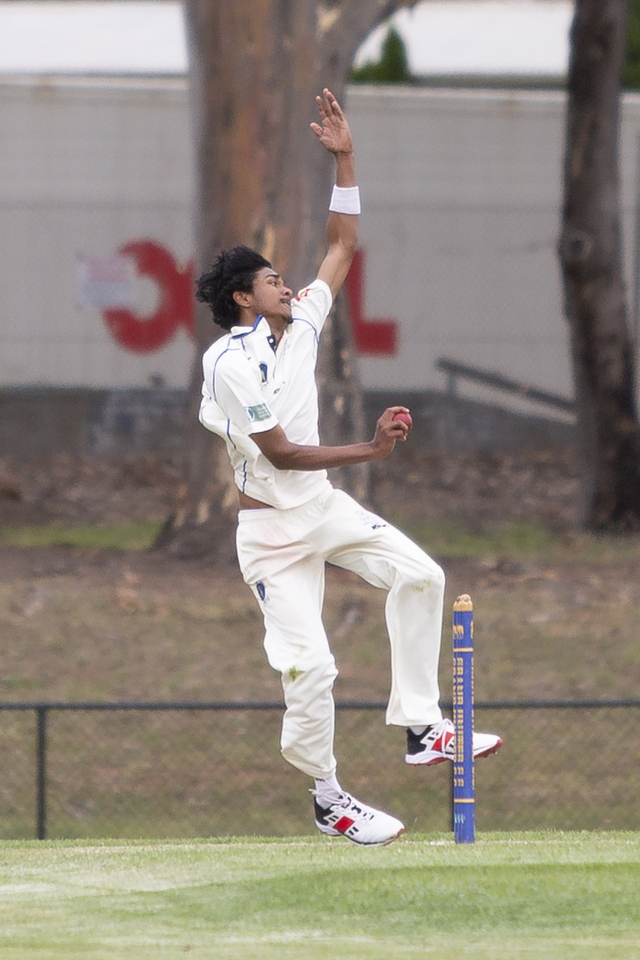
(405, 418)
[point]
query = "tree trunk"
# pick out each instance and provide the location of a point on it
(263, 180)
(591, 260)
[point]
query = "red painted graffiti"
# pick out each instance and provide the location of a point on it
(176, 306)
(376, 336)
(372, 336)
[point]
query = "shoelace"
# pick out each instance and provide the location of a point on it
(347, 803)
(438, 732)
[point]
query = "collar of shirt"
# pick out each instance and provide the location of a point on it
(244, 331)
(260, 326)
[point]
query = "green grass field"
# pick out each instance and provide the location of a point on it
(518, 895)
(124, 536)
(519, 541)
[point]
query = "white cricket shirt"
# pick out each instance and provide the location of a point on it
(249, 387)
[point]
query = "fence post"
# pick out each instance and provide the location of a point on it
(41, 773)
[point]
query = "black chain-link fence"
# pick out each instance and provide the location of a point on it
(186, 770)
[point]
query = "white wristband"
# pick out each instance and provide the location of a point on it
(345, 200)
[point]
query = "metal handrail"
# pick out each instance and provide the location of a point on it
(491, 378)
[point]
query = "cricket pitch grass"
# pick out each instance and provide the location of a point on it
(510, 895)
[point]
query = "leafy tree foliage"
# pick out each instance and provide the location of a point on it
(631, 69)
(392, 67)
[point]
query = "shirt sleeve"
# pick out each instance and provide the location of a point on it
(313, 304)
(237, 392)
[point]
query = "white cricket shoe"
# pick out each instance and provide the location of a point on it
(349, 818)
(436, 744)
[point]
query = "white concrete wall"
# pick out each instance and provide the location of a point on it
(461, 193)
(462, 199)
(464, 192)
(85, 168)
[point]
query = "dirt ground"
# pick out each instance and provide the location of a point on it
(475, 490)
(83, 623)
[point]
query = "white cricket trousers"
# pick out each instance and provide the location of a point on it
(282, 555)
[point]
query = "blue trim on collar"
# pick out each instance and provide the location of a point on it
(237, 336)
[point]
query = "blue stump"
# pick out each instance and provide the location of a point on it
(464, 823)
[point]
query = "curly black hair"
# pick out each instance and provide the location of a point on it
(233, 269)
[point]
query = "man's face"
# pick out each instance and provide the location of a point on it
(270, 296)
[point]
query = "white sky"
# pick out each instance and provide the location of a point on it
(72, 36)
(523, 37)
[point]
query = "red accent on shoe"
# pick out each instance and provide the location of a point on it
(443, 741)
(343, 824)
(440, 746)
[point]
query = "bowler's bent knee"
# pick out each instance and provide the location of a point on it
(308, 724)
